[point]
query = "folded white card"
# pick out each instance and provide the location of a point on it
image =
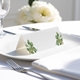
(66, 63)
(21, 48)
(14, 44)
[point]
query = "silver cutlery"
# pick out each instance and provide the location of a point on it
(31, 28)
(19, 68)
(9, 32)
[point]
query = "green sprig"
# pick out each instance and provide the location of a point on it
(30, 47)
(59, 39)
(31, 1)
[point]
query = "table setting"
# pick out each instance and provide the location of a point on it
(39, 48)
(30, 61)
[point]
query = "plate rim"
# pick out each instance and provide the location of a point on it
(32, 59)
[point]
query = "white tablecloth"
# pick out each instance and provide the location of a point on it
(70, 27)
(7, 74)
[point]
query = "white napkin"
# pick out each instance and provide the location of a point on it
(66, 63)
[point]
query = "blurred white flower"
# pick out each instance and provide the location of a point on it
(43, 12)
(23, 15)
(40, 11)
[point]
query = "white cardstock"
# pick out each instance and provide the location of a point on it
(42, 40)
(21, 48)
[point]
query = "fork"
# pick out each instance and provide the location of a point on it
(19, 68)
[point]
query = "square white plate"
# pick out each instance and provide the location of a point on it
(44, 41)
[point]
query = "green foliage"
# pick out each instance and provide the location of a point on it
(59, 39)
(30, 47)
(31, 1)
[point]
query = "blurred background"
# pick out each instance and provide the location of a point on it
(68, 9)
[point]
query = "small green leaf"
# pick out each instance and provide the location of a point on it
(30, 47)
(59, 39)
(31, 1)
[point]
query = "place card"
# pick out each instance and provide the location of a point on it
(21, 48)
(42, 40)
(13, 45)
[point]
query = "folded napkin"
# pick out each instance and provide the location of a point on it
(66, 63)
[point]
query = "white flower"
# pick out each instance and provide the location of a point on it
(40, 11)
(43, 12)
(23, 15)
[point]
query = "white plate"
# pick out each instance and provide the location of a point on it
(44, 42)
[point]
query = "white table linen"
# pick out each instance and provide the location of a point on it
(66, 63)
(71, 27)
(7, 74)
